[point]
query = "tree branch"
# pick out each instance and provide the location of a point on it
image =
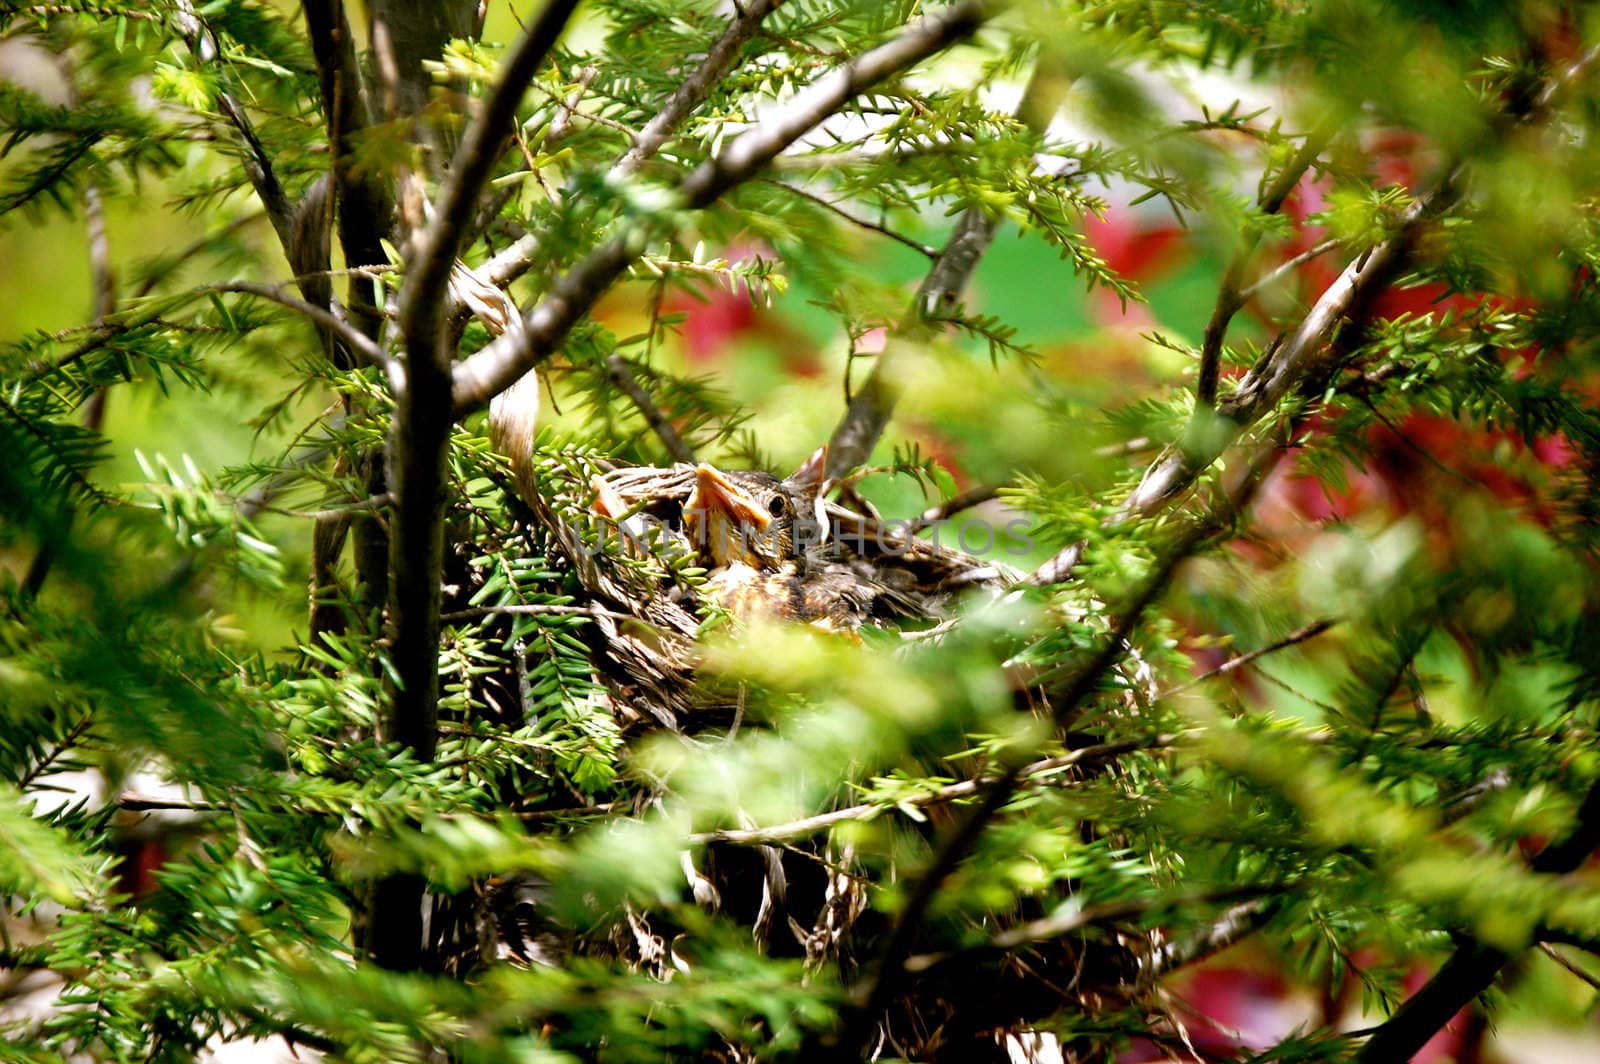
(1230, 299)
(1472, 968)
(1068, 692)
(964, 500)
(418, 447)
(511, 263)
(303, 233)
(1299, 635)
(1555, 955)
(362, 206)
(144, 803)
(1235, 924)
(1308, 358)
(51, 756)
(697, 86)
(1053, 927)
(1303, 362)
(870, 408)
(621, 375)
(1283, 269)
(1032, 773)
(436, 249)
(356, 341)
(862, 223)
(536, 609)
(502, 362)
(257, 163)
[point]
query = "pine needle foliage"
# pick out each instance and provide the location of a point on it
(1297, 649)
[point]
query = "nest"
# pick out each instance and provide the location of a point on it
(647, 596)
(647, 602)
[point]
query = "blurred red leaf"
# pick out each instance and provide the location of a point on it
(1134, 243)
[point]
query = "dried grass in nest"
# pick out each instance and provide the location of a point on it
(648, 608)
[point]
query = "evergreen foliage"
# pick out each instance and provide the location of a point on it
(452, 821)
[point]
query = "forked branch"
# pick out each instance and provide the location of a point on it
(497, 366)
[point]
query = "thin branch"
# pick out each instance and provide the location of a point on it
(1305, 359)
(436, 249)
(257, 163)
(964, 500)
(1555, 955)
(1309, 357)
(502, 362)
(1054, 927)
(45, 180)
(561, 125)
(1125, 448)
(103, 278)
(1563, 937)
(1058, 567)
(535, 609)
(1038, 771)
(358, 342)
(1229, 297)
(106, 12)
(872, 994)
(1243, 920)
(861, 223)
(1068, 694)
(514, 261)
(1416, 448)
(302, 234)
(103, 332)
(1472, 968)
(1299, 635)
(292, 1034)
(151, 804)
(1234, 925)
(1464, 803)
(99, 336)
(694, 89)
(869, 410)
(621, 375)
(1283, 269)
(42, 766)
(371, 502)
(539, 815)
(143, 803)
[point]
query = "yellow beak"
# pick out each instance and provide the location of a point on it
(715, 493)
(723, 517)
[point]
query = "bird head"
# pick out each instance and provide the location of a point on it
(751, 517)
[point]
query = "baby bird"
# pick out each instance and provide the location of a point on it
(763, 538)
(640, 532)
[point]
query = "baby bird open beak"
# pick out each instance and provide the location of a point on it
(607, 503)
(724, 518)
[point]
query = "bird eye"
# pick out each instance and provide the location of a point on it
(777, 506)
